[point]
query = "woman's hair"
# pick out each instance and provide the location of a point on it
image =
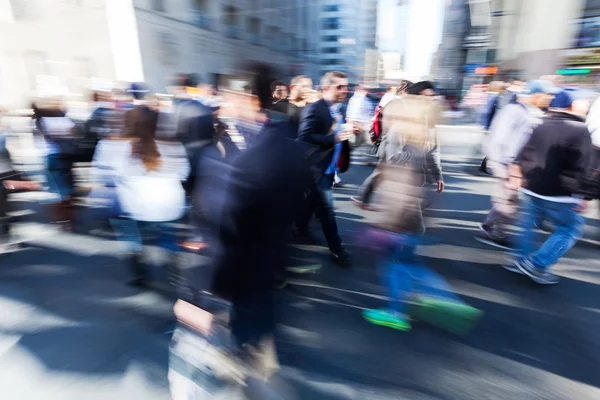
(412, 117)
(141, 123)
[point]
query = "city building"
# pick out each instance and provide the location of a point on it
(216, 38)
(347, 40)
(529, 37)
(581, 61)
(448, 66)
(52, 46)
(66, 45)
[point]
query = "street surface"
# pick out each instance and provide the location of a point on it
(71, 330)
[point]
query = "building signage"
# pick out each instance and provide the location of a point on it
(574, 57)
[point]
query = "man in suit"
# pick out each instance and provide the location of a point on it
(321, 126)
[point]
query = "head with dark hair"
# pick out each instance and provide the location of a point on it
(138, 90)
(279, 90)
(335, 86)
(403, 86)
(261, 78)
(194, 80)
(423, 88)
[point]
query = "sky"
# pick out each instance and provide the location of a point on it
(422, 28)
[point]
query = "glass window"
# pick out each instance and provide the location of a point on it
(332, 7)
(158, 5)
(253, 25)
(230, 15)
(201, 6)
(332, 38)
(331, 23)
(331, 50)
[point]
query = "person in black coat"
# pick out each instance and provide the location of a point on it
(194, 121)
(321, 127)
(264, 193)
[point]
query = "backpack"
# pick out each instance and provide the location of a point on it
(375, 131)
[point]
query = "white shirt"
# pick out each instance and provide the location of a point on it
(593, 122)
(152, 196)
(359, 110)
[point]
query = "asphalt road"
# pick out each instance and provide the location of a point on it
(69, 328)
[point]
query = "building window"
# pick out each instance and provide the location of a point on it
(331, 38)
(253, 26)
(330, 8)
(331, 50)
(167, 46)
(158, 5)
(230, 15)
(331, 23)
(201, 6)
(21, 9)
(35, 65)
(332, 61)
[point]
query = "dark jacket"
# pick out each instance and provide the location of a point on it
(315, 129)
(265, 191)
(556, 157)
(194, 124)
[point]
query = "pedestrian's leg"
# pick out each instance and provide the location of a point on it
(399, 287)
(569, 229)
(532, 211)
(369, 185)
(311, 203)
(130, 238)
(326, 214)
(4, 228)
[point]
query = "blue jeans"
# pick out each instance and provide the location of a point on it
(569, 229)
(405, 279)
(133, 234)
(60, 175)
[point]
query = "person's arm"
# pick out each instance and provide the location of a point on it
(308, 126)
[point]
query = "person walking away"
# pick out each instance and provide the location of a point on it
(549, 171)
(359, 114)
(509, 132)
(363, 199)
(321, 126)
(148, 175)
(194, 121)
(59, 137)
(402, 223)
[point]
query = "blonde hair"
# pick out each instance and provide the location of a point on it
(412, 117)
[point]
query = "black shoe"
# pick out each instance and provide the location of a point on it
(341, 258)
(485, 236)
(138, 282)
(539, 277)
(138, 270)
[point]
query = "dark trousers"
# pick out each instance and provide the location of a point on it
(320, 202)
(3, 209)
(369, 185)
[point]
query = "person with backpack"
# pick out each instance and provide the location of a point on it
(509, 132)
(377, 136)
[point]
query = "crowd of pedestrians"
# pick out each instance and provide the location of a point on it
(249, 169)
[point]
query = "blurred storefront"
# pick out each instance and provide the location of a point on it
(581, 62)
